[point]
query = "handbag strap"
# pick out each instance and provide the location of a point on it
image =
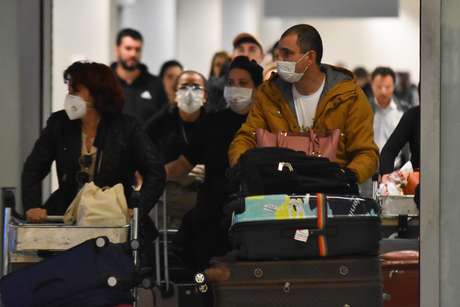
(99, 156)
(314, 139)
(321, 221)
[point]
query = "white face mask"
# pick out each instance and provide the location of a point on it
(286, 70)
(238, 98)
(74, 106)
(189, 100)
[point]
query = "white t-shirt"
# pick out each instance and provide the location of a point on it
(385, 122)
(305, 106)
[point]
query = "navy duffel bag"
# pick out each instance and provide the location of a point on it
(93, 274)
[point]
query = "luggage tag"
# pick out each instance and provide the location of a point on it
(302, 235)
(322, 213)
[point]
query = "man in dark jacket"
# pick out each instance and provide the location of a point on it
(144, 92)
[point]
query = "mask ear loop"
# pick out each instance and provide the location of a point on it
(299, 60)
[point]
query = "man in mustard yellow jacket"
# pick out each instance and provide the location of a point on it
(307, 94)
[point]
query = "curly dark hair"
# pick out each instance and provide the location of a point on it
(101, 83)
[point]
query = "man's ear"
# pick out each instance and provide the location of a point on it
(311, 57)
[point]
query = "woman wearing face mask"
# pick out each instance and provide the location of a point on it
(91, 140)
(200, 236)
(171, 130)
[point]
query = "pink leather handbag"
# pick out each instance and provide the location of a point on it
(312, 143)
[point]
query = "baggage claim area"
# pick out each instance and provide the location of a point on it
(229, 153)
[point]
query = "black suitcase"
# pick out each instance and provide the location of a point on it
(300, 227)
(333, 282)
(92, 274)
(263, 171)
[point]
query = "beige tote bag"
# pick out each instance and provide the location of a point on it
(95, 206)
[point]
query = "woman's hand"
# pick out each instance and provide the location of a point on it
(385, 178)
(36, 215)
(198, 172)
(138, 181)
(396, 177)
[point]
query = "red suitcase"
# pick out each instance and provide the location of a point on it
(401, 279)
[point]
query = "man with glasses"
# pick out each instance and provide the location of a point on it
(307, 94)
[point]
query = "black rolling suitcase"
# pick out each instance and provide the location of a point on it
(92, 274)
(274, 227)
(263, 171)
(353, 282)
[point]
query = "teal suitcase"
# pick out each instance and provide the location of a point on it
(274, 227)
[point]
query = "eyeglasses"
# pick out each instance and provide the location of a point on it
(193, 87)
(83, 176)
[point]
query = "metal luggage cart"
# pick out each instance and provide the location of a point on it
(399, 213)
(400, 216)
(23, 242)
(174, 293)
(394, 205)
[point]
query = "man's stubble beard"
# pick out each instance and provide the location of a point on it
(129, 67)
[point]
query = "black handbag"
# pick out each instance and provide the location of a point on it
(271, 170)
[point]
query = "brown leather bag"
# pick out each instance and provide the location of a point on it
(312, 143)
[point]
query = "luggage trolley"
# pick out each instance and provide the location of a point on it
(400, 216)
(399, 213)
(178, 293)
(24, 242)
